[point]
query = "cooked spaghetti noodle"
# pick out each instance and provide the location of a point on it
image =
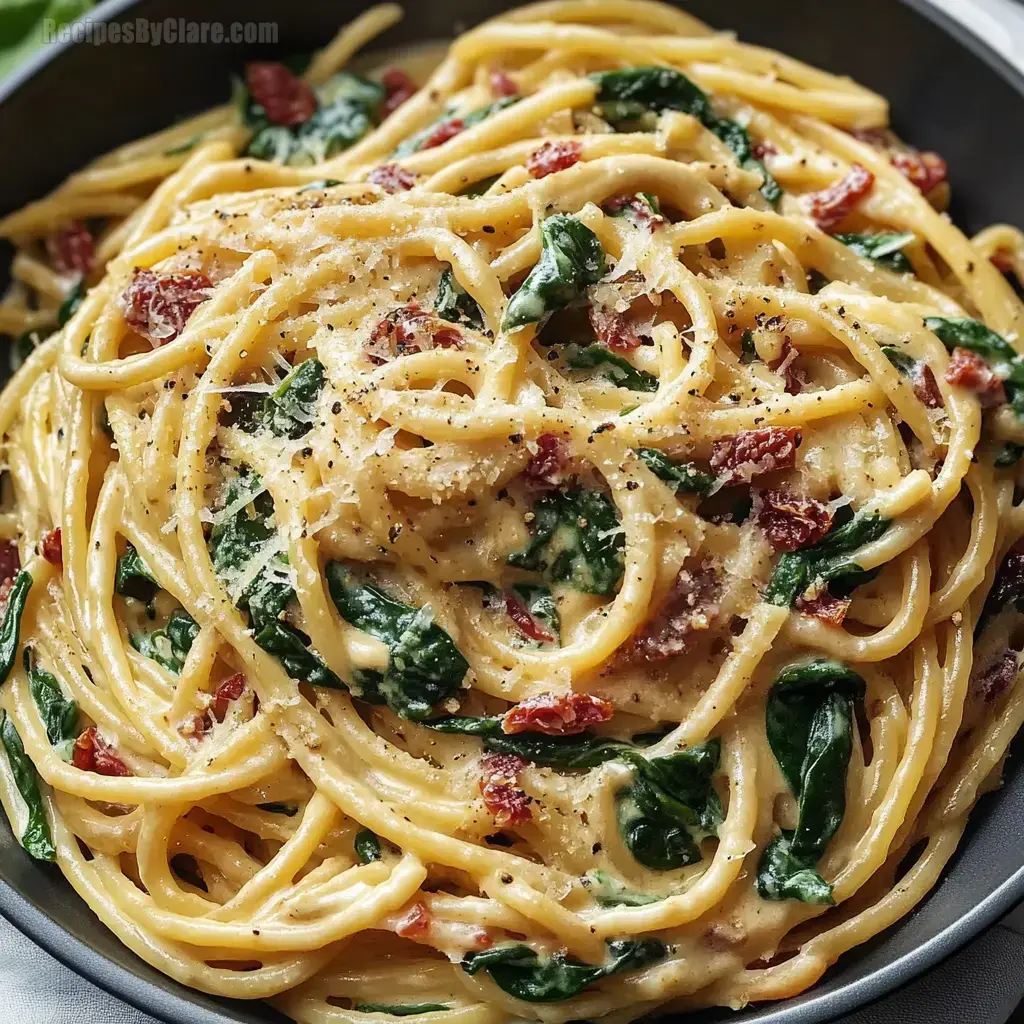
(539, 545)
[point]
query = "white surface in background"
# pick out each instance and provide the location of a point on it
(35, 989)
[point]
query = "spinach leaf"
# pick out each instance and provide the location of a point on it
(288, 410)
(670, 806)
(962, 332)
(826, 562)
(318, 185)
(11, 626)
(904, 364)
(625, 95)
(169, 646)
(185, 147)
(575, 538)
(688, 479)
(885, 249)
(1008, 455)
(36, 839)
(611, 366)
(344, 114)
(571, 259)
(519, 971)
(748, 350)
(570, 753)
(59, 713)
(455, 304)
(608, 891)
(400, 1009)
(415, 142)
(288, 810)
(809, 723)
(133, 578)
(69, 307)
(291, 647)
(424, 668)
(367, 846)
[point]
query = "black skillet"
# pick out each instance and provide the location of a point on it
(949, 92)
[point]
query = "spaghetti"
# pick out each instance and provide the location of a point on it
(528, 536)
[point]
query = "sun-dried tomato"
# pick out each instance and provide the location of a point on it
(524, 621)
(990, 685)
(786, 368)
(414, 923)
(557, 714)
(92, 754)
(925, 170)
(230, 690)
(613, 329)
(502, 84)
(968, 370)
(547, 468)
(398, 87)
(10, 560)
(158, 306)
(825, 606)
(877, 137)
(926, 387)
(829, 206)
(52, 548)
(639, 210)
(743, 456)
(197, 726)
(443, 132)
(502, 794)
(407, 331)
(764, 148)
(72, 250)
(692, 607)
(392, 178)
(554, 155)
(791, 522)
(1003, 261)
(286, 98)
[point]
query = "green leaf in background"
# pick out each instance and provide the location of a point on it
(21, 26)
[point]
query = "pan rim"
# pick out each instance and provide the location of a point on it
(162, 1002)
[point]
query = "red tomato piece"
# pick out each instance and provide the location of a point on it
(52, 549)
(826, 607)
(750, 453)
(230, 690)
(554, 155)
(557, 714)
(285, 97)
(398, 87)
(764, 148)
(499, 785)
(524, 621)
(639, 210)
(407, 331)
(547, 468)
(157, 306)
(926, 387)
(613, 329)
(968, 370)
(72, 250)
(786, 368)
(829, 206)
(10, 560)
(392, 178)
(692, 607)
(502, 84)
(414, 923)
(791, 522)
(991, 684)
(925, 170)
(92, 754)
(443, 132)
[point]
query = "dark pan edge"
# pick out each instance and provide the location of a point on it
(165, 1005)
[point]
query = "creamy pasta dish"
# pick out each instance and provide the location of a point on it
(529, 532)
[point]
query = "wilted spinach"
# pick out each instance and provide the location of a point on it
(608, 891)
(519, 971)
(59, 713)
(539, 604)
(10, 629)
(685, 476)
(809, 722)
(367, 846)
(400, 1009)
(571, 259)
(670, 805)
(36, 838)
(611, 366)
(828, 561)
(455, 304)
(288, 410)
(885, 249)
(133, 578)
(169, 646)
(415, 142)
(424, 665)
